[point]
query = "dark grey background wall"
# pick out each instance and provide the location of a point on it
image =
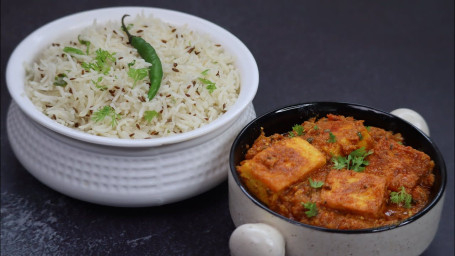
(385, 54)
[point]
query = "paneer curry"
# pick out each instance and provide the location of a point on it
(337, 173)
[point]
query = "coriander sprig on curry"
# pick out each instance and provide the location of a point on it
(337, 173)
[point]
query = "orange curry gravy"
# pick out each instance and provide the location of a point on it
(277, 170)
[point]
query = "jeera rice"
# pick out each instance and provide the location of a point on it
(97, 82)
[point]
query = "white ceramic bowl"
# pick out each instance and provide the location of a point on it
(260, 231)
(124, 172)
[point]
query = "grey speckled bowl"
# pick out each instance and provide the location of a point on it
(277, 234)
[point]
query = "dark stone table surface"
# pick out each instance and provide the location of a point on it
(385, 54)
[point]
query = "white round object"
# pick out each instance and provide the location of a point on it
(256, 239)
(125, 172)
(413, 117)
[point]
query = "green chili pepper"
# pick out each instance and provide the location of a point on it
(148, 53)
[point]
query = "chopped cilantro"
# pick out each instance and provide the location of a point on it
(316, 127)
(312, 209)
(149, 115)
(128, 27)
(210, 85)
(401, 197)
(97, 84)
(332, 138)
(106, 111)
(71, 50)
(101, 63)
(315, 184)
(59, 81)
(339, 162)
(204, 73)
(298, 130)
(84, 42)
(131, 63)
(137, 74)
(354, 161)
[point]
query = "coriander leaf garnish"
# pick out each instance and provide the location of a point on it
(315, 184)
(298, 130)
(401, 197)
(84, 42)
(312, 209)
(131, 63)
(332, 138)
(72, 50)
(149, 115)
(339, 162)
(204, 73)
(59, 81)
(128, 27)
(101, 63)
(358, 159)
(210, 85)
(106, 111)
(316, 127)
(354, 161)
(137, 74)
(97, 84)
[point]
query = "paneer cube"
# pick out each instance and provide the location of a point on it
(349, 135)
(355, 192)
(279, 166)
(401, 165)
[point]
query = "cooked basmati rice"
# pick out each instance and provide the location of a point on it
(183, 102)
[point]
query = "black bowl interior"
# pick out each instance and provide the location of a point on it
(282, 120)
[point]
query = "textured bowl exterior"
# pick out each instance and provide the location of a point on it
(398, 241)
(122, 176)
